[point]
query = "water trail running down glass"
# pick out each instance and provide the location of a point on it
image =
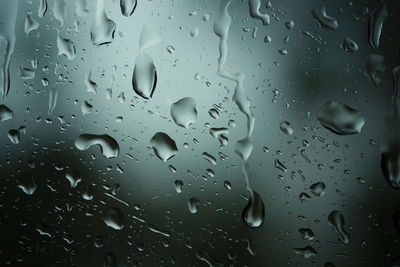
(244, 146)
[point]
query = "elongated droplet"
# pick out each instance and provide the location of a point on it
(306, 252)
(103, 29)
(340, 118)
(42, 8)
(164, 146)
(30, 24)
(5, 113)
(193, 204)
(350, 45)
(376, 20)
(324, 20)
(144, 78)
(53, 96)
(184, 112)
(375, 64)
(65, 47)
(26, 184)
(26, 73)
(91, 86)
(336, 221)
(210, 158)
(254, 213)
(108, 146)
(254, 6)
(8, 17)
(390, 157)
(128, 7)
(114, 218)
(59, 11)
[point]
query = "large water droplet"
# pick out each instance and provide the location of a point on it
(254, 6)
(164, 146)
(108, 146)
(323, 19)
(375, 64)
(42, 8)
(318, 189)
(103, 29)
(254, 213)
(65, 47)
(59, 11)
(286, 127)
(184, 112)
(30, 24)
(114, 218)
(15, 134)
(128, 7)
(376, 20)
(144, 79)
(336, 221)
(340, 118)
(5, 113)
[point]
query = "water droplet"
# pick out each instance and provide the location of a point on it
(254, 213)
(184, 112)
(65, 47)
(59, 11)
(144, 79)
(306, 252)
(108, 146)
(164, 146)
(178, 186)
(336, 221)
(73, 176)
(340, 118)
(26, 184)
(8, 17)
(307, 234)
(5, 113)
(375, 64)
(318, 189)
(86, 108)
(53, 96)
(210, 158)
(128, 7)
(102, 29)
(227, 185)
(323, 19)
(15, 134)
(193, 204)
(350, 45)
(42, 8)
(30, 24)
(286, 127)
(254, 6)
(376, 20)
(26, 73)
(114, 218)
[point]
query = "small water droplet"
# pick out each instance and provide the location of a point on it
(114, 218)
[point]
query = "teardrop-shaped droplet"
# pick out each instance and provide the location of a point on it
(193, 204)
(103, 29)
(114, 218)
(164, 146)
(340, 118)
(184, 112)
(254, 213)
(144, 78)
(108, 146)
(336, 221)
(128, 7)
(178, 186)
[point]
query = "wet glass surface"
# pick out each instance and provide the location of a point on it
(199, 133)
